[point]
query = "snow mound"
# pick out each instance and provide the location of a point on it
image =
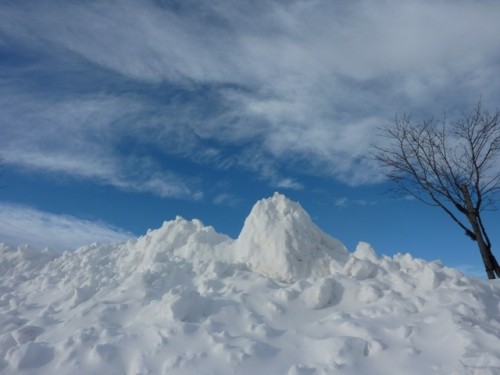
(184, 239)
(279, 240)
(284, 298)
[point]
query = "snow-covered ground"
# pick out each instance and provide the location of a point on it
(283, 298)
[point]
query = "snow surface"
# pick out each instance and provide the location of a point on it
(283, 298)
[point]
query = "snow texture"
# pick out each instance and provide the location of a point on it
(283, 298)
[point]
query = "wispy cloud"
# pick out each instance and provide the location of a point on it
(84, 137)
(226, 199)
(474, 270)
(25, 225)
(344, 202)
(341, 202)
(296, 83)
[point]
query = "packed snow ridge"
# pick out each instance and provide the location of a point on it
(283, 298)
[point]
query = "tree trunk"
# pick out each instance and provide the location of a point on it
(485, 250)
(486, 254)
(488, 258)
(494, 264)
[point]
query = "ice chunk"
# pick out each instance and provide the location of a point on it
(320, 294)
(365, 251)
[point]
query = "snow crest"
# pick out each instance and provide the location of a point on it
(283, 298)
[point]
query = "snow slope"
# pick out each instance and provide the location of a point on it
(283, 298)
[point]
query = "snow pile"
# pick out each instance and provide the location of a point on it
(284, 298)
(185, 239)
(280, 240)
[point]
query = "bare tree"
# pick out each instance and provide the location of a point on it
(453, 166)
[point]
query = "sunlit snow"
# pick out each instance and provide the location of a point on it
(282, 298)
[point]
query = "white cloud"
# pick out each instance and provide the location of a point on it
(309, 81)
(79, 137)
(25, 225)
(341, 202)
(288, 183)
(226, 199)
(344, 202)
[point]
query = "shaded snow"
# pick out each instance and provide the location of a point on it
(283, 298)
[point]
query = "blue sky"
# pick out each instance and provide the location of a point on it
(118, 115)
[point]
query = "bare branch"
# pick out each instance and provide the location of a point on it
(451, 166)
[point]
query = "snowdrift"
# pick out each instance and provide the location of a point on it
(283, 298)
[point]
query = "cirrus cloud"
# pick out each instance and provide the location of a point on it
(300, 86)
